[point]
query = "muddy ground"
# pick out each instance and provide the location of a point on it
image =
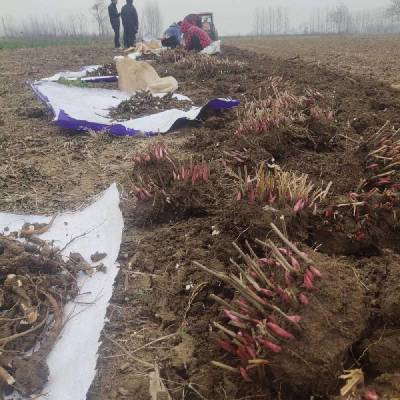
(161, 301)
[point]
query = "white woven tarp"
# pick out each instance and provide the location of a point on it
(82, 109)
(72, 362)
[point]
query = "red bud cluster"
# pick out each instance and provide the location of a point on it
(383, 160)
(155, 152)
(281, 108)
(193, 173)
(258, 319)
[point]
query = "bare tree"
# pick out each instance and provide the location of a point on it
(151, 19)
(394, 8)
(271, 21)
(341, 18)
(99, 13)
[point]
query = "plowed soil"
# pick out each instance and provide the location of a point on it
(161, 311)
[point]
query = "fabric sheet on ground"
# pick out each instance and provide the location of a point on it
(98, 227)
(82, 75)
(82, 109)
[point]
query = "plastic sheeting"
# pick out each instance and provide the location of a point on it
(72, 362)
(83, 109)
(81, 74)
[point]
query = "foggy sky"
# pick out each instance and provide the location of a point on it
(231, 16)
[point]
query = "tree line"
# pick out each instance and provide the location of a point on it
(335, 20)
(94, 22)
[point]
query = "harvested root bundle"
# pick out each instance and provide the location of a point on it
(172, 55)
(360, 223)
(168, 189)
(279, 189)
(105, 70)
(143, 103)
(267, 291)
(281, 108)
(148, 57)
(191, 173)
(35, 283)
(202, 66)
(383, 160)
(155, 152)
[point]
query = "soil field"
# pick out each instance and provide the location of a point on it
(224, 181)
(374, 56)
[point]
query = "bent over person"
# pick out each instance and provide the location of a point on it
(115, 22)
(194, 37)
(172, 37)
(130, 22)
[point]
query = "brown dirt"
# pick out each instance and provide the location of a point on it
(351, 54)
(35, 284)
(158, 291)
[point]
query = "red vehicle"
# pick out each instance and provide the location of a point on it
(205, 21)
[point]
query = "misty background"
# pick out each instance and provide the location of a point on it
(232, 17)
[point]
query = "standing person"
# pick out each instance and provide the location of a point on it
(130, 22)
(115, 22)
(194, 37)
(172, 37)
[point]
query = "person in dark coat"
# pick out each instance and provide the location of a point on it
(130, 22)
(115, 22)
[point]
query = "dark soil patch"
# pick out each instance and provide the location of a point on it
(159, 292)
(159, 286)
(35, 283)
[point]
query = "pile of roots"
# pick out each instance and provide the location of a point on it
(35, 284)
(104, 70)
(145, 103)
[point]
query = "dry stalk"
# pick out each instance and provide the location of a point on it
(266, 289)
(279, 188)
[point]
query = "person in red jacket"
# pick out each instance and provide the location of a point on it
(194, 38)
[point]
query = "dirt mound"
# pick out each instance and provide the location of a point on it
(35, 283)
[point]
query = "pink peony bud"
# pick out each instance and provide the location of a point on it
(294, 318)
(231, 316)
(284, 251)
(370, 394)
(283, 295)
(246, 337)
(372, 166)
(226, 346)
(243, 354)
(251, 351)
(245, 375)
(269, 345)
(295, 263)
(266, 261)
(303, 299)
(275, 328)
(267, 292)
(288, 278)
(299, 205)
(316, 272)
(308, 280)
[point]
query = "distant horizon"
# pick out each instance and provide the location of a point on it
(232, 17)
